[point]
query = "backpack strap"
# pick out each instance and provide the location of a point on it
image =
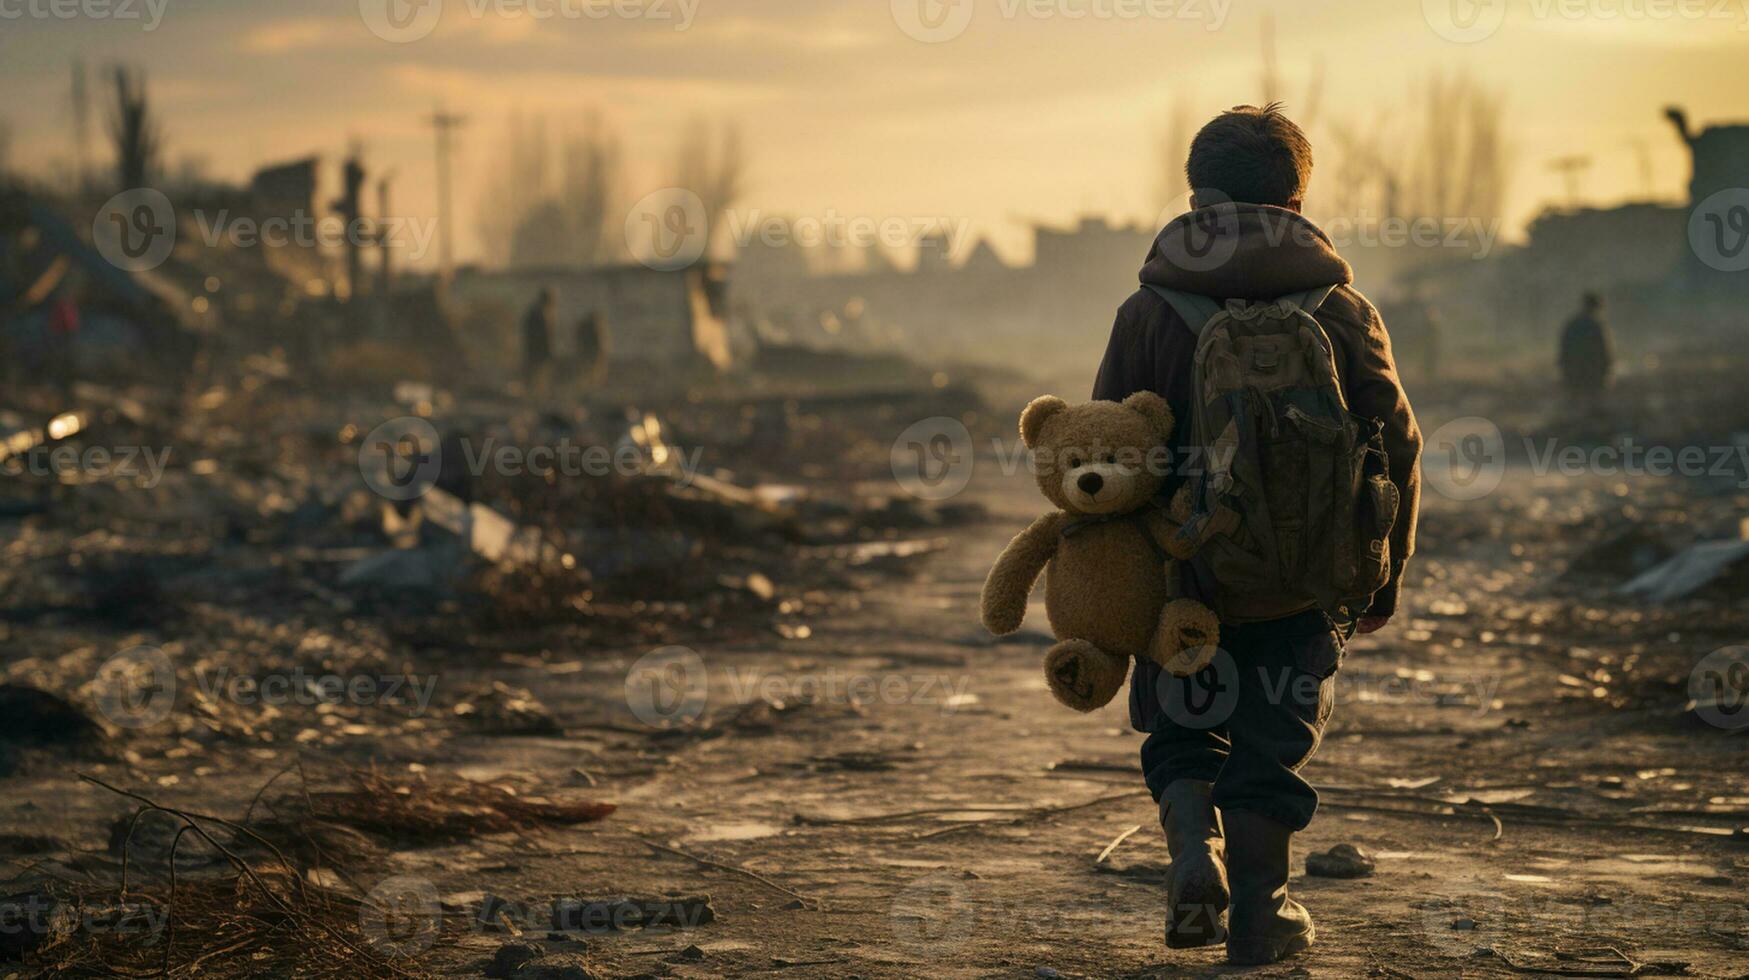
(1311, 300)
(1196, 311)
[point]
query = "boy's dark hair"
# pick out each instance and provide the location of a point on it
(1252, 155)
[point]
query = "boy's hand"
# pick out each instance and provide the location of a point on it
(1371, 624)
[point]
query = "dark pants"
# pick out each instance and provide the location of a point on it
(1248, 721)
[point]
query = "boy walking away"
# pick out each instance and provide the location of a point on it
(1300, 458)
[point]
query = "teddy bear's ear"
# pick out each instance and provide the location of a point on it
(1153, 408)
(1032, 420)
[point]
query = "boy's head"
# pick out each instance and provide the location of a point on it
(1252, 156)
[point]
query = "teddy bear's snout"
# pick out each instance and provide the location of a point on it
(1090, 484)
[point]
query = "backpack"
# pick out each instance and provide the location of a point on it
(1292, 501)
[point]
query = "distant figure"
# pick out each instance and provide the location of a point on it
(1587, 354)
(592, 348)
(537, 342)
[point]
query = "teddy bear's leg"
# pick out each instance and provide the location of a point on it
(1187, 637)
(1083, 676)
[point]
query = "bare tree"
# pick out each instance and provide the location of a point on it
(713, 166)
(133, 129)
(537, 212)
(1443, 158)
(591, 189)
(520, 185)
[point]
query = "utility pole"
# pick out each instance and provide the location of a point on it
(446, 124)
(81, 126)
(1570, 169)
(385, 272)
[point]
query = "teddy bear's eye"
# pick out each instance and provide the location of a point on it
(1111, 458)
(1074, 462)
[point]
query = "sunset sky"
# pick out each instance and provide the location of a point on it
(1026, 111)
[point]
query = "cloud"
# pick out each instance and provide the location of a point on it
(299, 34)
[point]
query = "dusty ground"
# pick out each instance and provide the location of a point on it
(1556, 704)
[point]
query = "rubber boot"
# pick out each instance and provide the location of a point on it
(1265, 925)
(1196, 895)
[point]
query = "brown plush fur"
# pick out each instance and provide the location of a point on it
(1107, 593)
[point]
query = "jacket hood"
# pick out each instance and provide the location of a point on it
(1243, 251)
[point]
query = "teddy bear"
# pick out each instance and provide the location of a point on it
(1108, 553)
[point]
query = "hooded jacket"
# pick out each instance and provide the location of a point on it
(1258, 252)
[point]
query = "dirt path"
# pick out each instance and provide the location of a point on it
(1460, 700)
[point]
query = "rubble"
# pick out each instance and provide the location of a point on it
(1705, 565)
(1341, 861)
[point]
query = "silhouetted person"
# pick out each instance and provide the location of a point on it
(537, 341)
(592, 348)
(1587, 353)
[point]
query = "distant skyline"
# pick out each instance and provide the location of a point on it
(1019, 109)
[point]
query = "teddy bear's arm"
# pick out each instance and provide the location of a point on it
(1163, 528)
(1016, 571)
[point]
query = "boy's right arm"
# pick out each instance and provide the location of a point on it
(1127, 365)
